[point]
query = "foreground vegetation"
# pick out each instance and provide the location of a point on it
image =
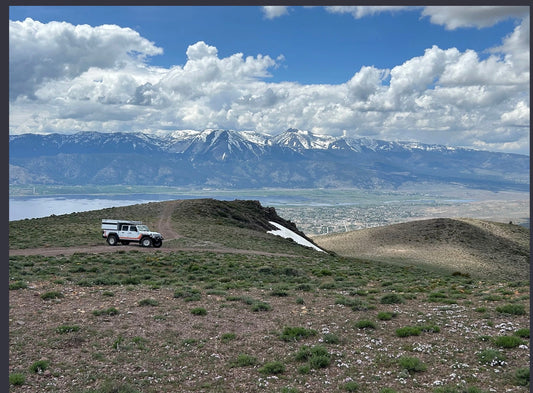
(205, 321)
(201, 321)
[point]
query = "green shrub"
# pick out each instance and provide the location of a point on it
(512, 309)
(188, 294)
(17, 285)
(305, 369)
(148, 302)
(391, 298)
(408, 331)
(319, 361)
(227, 337)
(351, 386)
(304, 287)
(430, 328)
(295, 333)
(199, 311)
(437, 296)
(107, 311)
(39, 366)
(280, 292)
(523, 333)
(17, 379)
(331, 338)
(522, 376)
(386, 315)
(244, 360)
(52, 295)
(507, 341)
(317, 356)
(490, 356)
(272, 368)
(365, 324)
(261, 306)
(412, 364)
(67, 329)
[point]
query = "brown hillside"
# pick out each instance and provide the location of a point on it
(479, 248)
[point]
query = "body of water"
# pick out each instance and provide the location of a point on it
(21, 208)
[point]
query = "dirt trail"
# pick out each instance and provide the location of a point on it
(164, 225)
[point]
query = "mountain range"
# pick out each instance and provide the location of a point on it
(247, 159)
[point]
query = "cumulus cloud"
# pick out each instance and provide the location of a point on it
(453, 17)
(362, 11)
(41, 52)
(438, 96)
(275, 11)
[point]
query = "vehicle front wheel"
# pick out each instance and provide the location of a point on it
(112, 240)
(157, 243)
(146, 242)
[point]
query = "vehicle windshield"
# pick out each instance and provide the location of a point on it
(143, 228)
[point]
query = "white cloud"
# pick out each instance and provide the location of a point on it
(362, 11)
(518, 116)
(453, 17)
(41, 52)
(440, 96)
(516, 48)
(275, 11)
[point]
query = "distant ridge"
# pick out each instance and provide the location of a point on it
(247, 159)
(479, 248)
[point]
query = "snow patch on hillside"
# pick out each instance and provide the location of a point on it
(288, 234)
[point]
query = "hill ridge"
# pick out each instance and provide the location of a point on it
(476, 247)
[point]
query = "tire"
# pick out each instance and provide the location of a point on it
(125, 242)
(157, 243)
(146, 242)
(112, 240)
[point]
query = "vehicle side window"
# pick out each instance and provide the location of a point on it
(124, 227)
(133, 229)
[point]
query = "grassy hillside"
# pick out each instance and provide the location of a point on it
(475, 247)
(197, 223)
(225, 307)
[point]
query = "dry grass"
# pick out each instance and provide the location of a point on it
(479, 248)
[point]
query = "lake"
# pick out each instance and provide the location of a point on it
(25, 207)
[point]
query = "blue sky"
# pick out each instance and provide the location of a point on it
(449, 75)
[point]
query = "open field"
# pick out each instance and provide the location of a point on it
(242, 310)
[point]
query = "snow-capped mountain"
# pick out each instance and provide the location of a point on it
(226, 158)
(299, 140)
(221, 145)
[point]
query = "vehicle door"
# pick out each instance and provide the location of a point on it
(126, 232)
(133, 233)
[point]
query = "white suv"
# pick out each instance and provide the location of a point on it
(126, 231)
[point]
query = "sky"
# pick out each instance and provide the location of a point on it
(451, 75)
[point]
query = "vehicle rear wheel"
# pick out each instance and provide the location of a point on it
(146, 242)
(157, 243)
(112, 240)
